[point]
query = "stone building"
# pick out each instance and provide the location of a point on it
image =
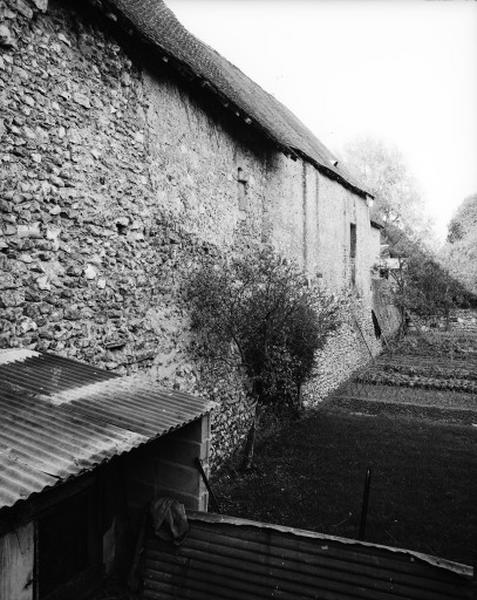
(128, 149)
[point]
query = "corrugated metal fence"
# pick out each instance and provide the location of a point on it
(230, 558)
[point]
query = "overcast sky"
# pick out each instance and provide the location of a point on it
(404, 71)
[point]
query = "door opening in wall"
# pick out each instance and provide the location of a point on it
(67, 554)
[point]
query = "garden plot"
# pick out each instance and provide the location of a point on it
(431, 377)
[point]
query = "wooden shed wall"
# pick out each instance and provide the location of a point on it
(16, 563)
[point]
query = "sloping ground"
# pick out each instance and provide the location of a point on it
(409, 418)
(224, 557)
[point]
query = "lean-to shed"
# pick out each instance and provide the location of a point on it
(82, 453)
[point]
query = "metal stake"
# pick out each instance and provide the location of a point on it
(364, 508)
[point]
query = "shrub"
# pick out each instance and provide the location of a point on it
(260, 308)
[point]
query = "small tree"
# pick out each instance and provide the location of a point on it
(262, 309)
(460, 252)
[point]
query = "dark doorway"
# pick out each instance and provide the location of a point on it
(67, 550)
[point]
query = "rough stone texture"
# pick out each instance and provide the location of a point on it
(350, 347)
(114, 180)
(464, 319)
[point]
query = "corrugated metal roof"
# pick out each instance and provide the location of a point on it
(158, 25)
(227, 557)
(60, 418)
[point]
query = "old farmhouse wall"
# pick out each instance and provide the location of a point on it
(115, 178)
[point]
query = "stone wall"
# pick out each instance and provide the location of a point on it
(461, 321)
(464, 320)
(350, 347)
(387, 313)
(115, 179)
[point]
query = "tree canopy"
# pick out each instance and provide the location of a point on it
(460, 252)
(382, 169)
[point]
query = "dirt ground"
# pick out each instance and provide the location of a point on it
(420, 441)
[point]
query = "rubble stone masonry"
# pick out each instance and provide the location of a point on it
(115, 179)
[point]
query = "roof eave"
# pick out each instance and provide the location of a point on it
(128, 27)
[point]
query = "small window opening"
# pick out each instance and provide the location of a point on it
(242, 189)
(241, 176)
(122, 226)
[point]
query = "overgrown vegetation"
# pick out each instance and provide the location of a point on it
(460, 252)
(260, 310)
(423, 285)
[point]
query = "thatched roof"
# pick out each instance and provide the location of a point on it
(157, 25)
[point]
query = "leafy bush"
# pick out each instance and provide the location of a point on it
(423, 286)
(260, 308)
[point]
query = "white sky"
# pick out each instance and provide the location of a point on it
(404, 71)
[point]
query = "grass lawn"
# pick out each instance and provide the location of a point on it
(311, 474)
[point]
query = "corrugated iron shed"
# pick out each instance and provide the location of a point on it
(60, 418)
(227, 557)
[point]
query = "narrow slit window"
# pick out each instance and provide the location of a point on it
(352, 251)
(352, 240)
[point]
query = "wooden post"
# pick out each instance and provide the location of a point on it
(364, 339)
(214, 501)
